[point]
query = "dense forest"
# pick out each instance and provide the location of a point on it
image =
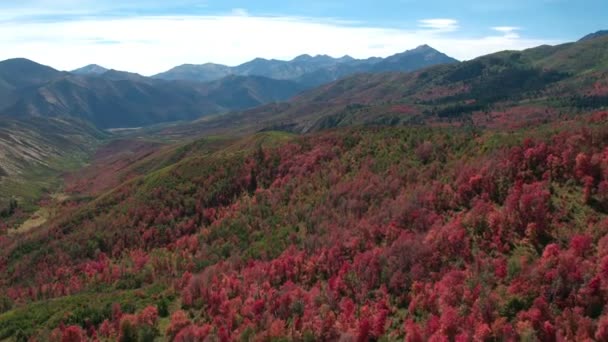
(361, 234)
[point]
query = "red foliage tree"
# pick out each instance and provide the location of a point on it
(179, 321)
(73, 333)
(148, 316)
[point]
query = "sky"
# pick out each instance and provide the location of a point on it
(152, 36)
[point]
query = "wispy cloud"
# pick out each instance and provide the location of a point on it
(240, 12)
(443, 25)
(508, 31)
(153, 43)
(61, 10)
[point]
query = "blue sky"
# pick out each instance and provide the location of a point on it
(152, 36)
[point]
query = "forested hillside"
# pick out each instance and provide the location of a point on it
(358, 233)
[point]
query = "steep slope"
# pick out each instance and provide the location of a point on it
(358, 233)
(34, 152)
(311, 71)
(7, 95)
(19, 73)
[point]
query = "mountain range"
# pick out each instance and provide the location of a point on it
(501, 89)
(115, 99)
(311, 71)
(118, 99)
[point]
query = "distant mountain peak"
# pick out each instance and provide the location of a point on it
(597, 34)
(418, 58)
(422, 49)
(303, 58)
(22, 72)
(91, 69)
(18, 60)
(21, 62)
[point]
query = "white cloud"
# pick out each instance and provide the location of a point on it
(150, 45)
(240, 12)
(508, 31)
(444, 25)
(505, 29)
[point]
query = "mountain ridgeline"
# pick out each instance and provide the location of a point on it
(312, 71)
(500, 90)
(117, 99)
